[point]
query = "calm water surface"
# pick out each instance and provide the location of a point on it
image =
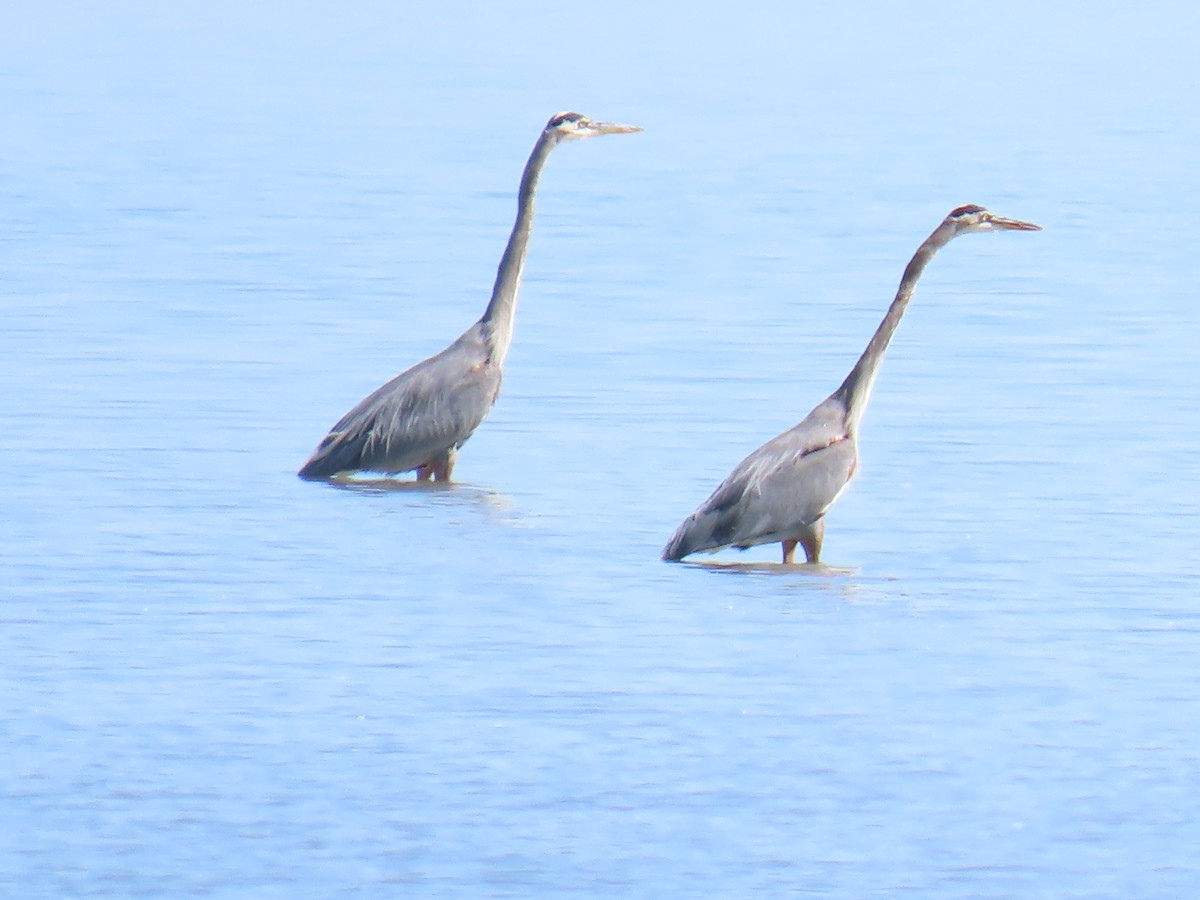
(218, 230)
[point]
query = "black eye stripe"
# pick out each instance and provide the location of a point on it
(969, 209)
(563, 118)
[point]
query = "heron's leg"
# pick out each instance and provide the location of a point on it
(812, 541)
(789, 552)
(424, 472)
(443, 464)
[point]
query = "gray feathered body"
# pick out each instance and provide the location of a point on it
(416, 418)
(780, 491)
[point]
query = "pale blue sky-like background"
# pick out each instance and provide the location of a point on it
(223, 224)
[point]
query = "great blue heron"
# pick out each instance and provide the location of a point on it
(782, 490)
(420, 418)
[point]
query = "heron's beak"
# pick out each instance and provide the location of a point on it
(1013, 224)
(613, 128)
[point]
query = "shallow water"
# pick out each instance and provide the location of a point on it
(219, 230)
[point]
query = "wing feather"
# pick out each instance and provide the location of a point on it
(433, 406)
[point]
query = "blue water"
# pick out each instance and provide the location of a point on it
(220, 228)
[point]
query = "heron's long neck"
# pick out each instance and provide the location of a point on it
(855, 391)
(503, 306)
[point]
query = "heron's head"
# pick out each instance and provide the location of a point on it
(970, 218)
(572, 126)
